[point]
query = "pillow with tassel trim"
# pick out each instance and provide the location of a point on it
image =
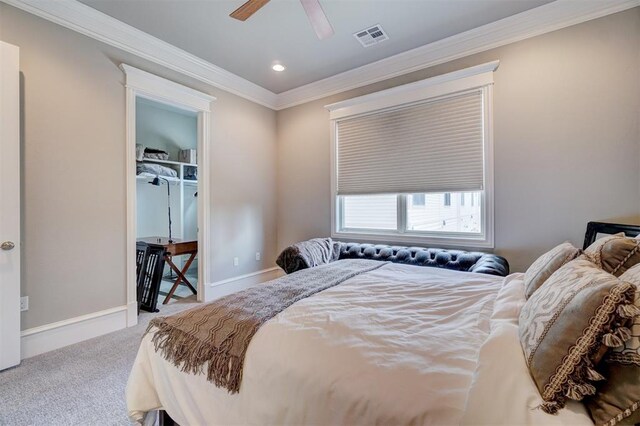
(544, 266)
(615, 253)
(566, 328)
(617, 400)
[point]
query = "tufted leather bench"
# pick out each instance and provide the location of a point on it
(457, 260)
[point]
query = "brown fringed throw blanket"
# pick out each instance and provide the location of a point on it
(219, 332)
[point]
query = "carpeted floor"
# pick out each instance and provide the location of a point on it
(81, 384)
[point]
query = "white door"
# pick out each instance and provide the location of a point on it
(9, 206)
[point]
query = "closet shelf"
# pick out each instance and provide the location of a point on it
(176, 180)
(175, 163)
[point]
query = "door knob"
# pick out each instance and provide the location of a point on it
(7, 245)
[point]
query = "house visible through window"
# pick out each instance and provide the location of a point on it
(406, 169)
(418, 200)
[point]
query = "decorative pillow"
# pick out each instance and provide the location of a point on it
(337, 247)
(306, 254)
(566, 326)
(615, 253)
(546, 265)
(618, 399)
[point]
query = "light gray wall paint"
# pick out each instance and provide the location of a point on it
(567, 139)
(73, 141)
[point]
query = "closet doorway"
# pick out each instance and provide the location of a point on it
(167, 192)
(166, 201)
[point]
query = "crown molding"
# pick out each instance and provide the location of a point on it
(546, 18)
(88, 21)
(97, 25)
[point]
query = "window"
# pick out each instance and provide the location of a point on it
(370, 212)
(434, 218)
(406, 160)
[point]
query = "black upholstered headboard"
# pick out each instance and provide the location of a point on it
(457, 260)
(595, 228)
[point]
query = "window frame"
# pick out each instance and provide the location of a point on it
(478, 77)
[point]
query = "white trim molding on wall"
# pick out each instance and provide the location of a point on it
(439, 85)
(143, 84)
(231, 285)
(38, 340)
(543, 19)
(479, 77)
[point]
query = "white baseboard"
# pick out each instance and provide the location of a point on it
(38, 340)
(132, 313)
(222, 288)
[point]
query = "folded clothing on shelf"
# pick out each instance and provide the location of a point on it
(156, 154)
(156, 169)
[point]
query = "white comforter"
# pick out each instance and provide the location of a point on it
(398, 345)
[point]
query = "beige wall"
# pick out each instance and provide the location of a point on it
(567, 139)
(73, 166)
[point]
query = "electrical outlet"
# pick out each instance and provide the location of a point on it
(257, 255)
(24, 303)
(236, 261)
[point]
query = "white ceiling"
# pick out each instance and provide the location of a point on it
(281, 32)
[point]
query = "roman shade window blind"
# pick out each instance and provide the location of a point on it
(429, 146)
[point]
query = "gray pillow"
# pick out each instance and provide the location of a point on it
(306, 254)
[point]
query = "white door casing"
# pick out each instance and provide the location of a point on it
(9, 206)
(140, 83)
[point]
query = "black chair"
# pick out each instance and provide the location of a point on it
(150, 267)
(141, 265)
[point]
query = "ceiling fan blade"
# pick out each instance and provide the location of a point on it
(245, 11)
(318, 19)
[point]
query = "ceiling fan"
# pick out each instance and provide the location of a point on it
(312, 8)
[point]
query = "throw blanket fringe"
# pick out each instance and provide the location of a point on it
(219, 332)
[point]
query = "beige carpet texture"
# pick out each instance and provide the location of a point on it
(82, 384)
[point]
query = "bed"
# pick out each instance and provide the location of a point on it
(400, 344)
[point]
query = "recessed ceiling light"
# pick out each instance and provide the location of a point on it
(278, 67)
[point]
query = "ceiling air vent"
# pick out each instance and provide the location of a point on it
(371, 36)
